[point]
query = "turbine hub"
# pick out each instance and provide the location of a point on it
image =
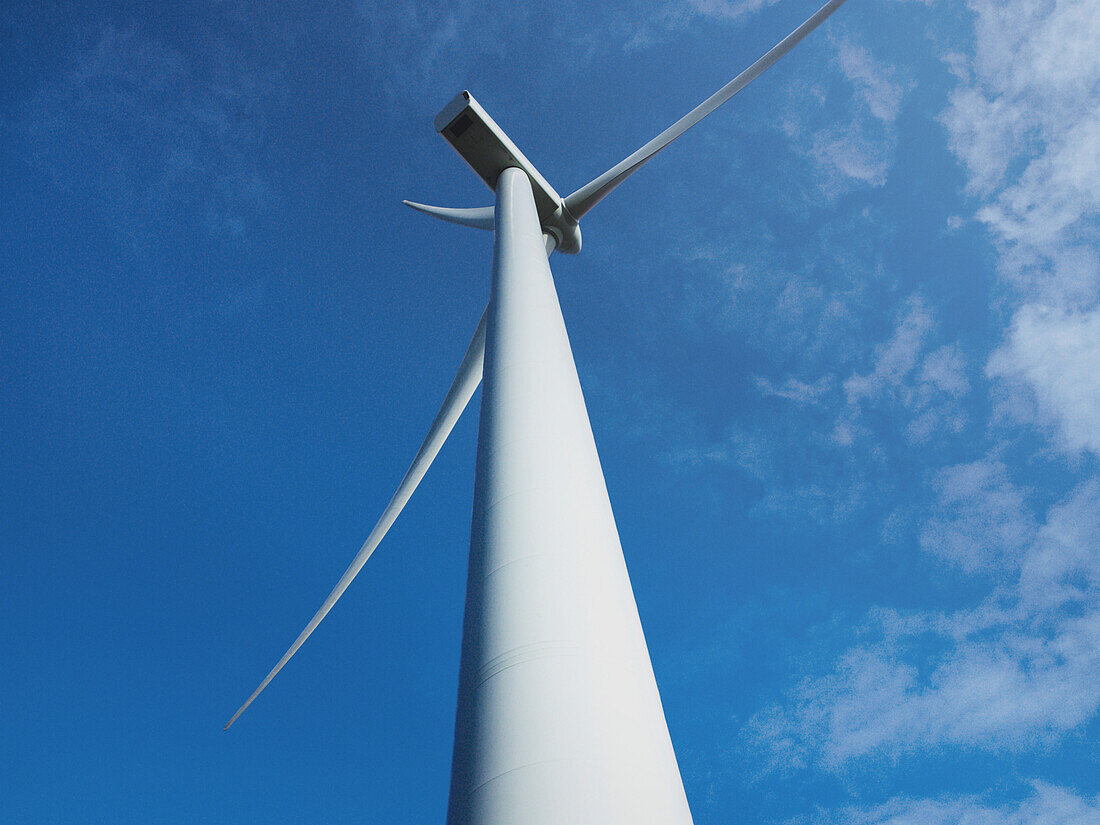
(489, 151)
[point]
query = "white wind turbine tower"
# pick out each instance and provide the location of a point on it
(559, 721)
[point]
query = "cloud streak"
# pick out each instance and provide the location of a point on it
(1024, 124)
(1044, 805)
(860, 150)
(156, 150)
(1019, 670)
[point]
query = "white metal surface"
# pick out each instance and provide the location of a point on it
(559, 721)
(480, 142)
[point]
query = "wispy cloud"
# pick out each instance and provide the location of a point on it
(434, 43)
(1020, 669)
(157, 149)
(1044, 805)
(858, 150)
(1054, 353)
(925, 386)
(800, 392)
(980, 522)
(876, 85)
(1024, 123)
(895, 359)
(414, 50)
(729, 9)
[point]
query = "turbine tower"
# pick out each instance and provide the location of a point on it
(559, 720)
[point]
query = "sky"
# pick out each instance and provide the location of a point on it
(839, 345)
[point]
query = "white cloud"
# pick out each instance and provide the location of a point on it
(1063, 566)
(981, 522)
(794, 390)
(855, 151)
(1045, 805)
(935, 399)
(1056, 354)
(861, 148)
(895, 359)
(750, 284)
(1025, 125)
(927, 387)
(1059, 188)
(874, 84)
(417, 49)
(1033, 75)
(1019, 670)
(729, 9)
(945, 370)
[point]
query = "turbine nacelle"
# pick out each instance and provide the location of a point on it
(480, 142)
(486, 148)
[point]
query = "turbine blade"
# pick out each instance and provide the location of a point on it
(479, 217)
(458, 396)
(581, 201)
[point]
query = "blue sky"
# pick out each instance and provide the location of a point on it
(839, 346)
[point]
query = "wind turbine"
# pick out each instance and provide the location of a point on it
(559, 720)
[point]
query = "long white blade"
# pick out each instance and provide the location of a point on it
(480, 217)
(458, 396)
(596, 190)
